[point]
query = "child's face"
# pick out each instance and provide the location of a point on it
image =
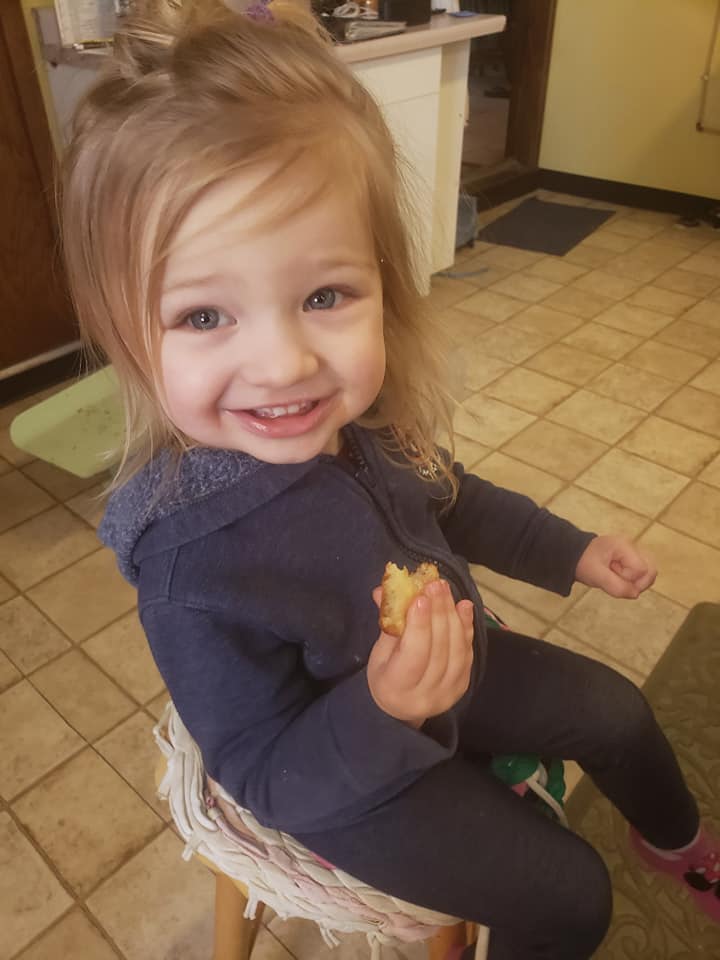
(272, 333)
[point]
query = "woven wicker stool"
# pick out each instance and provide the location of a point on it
(254, 866)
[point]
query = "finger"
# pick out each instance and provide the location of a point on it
(461, 645)
(628, 562)
(642, 583)
(442, 608)
(646, 573)
(640, 579)
(377, 596)
(616, 585)
(466, 612)
(383, 649)
(413, 652)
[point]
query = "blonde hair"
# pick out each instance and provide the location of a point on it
(193, 93)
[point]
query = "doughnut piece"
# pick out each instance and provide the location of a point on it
(399, 589)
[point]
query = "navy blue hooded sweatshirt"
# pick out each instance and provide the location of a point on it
(254, 589)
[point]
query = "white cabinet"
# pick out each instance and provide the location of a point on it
(407, 87)
(422, 94)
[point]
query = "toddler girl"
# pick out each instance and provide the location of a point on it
(237, 248)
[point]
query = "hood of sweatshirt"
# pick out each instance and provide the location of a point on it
(169, 503)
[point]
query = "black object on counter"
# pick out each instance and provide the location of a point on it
(413, 12)
(354, 29)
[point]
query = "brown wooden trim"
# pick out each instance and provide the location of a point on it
(505, 182)
(530, 44)
(29, 96)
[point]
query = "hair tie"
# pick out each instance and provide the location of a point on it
(259, 11)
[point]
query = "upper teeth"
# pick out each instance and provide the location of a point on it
(282, 411)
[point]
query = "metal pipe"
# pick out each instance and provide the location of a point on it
(700, 125)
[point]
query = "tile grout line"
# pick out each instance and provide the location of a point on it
(143, 708)
(91, 918)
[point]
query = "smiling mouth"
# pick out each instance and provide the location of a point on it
(291, 410)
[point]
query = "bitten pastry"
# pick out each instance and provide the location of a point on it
(399, 589)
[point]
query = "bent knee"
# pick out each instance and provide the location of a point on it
(619, 710)
(582, 906)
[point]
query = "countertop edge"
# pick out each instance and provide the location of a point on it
(442, 29)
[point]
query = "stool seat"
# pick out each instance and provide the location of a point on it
(78, 429)
(255, 865)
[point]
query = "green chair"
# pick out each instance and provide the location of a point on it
(79, 429)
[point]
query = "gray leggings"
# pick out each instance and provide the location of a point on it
(461, 842)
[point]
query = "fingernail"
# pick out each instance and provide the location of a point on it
(422, 605)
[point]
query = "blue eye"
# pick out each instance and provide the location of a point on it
(323, 299)
(207, 318)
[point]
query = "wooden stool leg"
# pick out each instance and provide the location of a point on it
(260, 909)
(483, 941)
(446, 938)
(234, 933)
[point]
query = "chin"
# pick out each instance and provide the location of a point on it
(293, 454)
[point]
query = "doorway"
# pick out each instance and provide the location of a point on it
(40, 319)
(507, 86)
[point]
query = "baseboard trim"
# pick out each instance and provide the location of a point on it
(511, 180)
(627, 194)
(40, 377)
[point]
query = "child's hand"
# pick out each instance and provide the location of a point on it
(615, 565)
(427, 670)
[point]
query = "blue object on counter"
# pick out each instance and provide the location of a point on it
(463, 13)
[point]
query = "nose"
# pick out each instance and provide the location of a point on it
(280, 353)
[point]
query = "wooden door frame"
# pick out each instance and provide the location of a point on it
(29, 141)
(532, 29)
(27, 89)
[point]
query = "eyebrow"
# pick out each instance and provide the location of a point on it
(213, 279)
(334, 263)
(207, 281)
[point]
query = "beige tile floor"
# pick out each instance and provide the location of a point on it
(590, 382)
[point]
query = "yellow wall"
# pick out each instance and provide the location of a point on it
(624, 94)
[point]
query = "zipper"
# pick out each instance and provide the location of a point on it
(364, 477)
(355, 455)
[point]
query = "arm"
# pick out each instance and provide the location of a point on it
(299, 757)
(508, 533)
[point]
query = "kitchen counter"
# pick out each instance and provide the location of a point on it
(420, 79)
(441, 29)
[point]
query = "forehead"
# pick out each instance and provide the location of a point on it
(288, 204)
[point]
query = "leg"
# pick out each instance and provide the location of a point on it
(234, 933)
(569, 706)
(459, 841)
(445, 940)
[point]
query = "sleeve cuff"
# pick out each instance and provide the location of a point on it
(374, 749)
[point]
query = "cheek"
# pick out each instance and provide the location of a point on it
(364, 360)
(185, 378)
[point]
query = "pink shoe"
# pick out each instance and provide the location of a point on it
(697, 867)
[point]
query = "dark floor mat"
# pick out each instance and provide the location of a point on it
(653, 919)
(553, 228)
